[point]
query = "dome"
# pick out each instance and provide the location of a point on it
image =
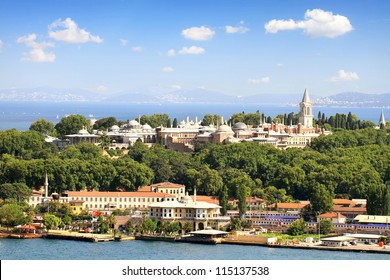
(133, 123)
(146, 126)
(114, 127)
(240, 126)
(186, 199)
(83, 131)
(224, 129)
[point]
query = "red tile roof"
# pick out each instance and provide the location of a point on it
(285, 205)
(340, 201)
(205, 198)
(331, 215)
(117, 194)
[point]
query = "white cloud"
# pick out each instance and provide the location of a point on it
(167, 70)
(1, 44)
(171, 52)
(342, 76)
(137, 49)
(37, 52)
(123, 42)
(67, 31)
(236, 29)
(317, 23)
(198, 33)
(262, 80)
(192, 50)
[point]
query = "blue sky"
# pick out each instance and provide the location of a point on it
(235, 47)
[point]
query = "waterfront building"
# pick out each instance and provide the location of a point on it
(372, 219)
(350, 208)
(335, 218)
(198, 214)
(289, 207)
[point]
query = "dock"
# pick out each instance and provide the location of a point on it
(78, 236)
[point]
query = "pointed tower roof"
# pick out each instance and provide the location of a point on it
(382, 119)
(306, 98)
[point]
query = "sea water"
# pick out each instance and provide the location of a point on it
(20, 115)
(51, 249)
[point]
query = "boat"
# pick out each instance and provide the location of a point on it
(205, 236)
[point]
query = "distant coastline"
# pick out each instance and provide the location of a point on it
(20, 114)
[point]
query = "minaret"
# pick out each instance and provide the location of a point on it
(195, 194)
(382, 119)
(306, 111)
(46, 185)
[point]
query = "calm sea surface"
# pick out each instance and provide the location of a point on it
(20, 115)
(48, 249)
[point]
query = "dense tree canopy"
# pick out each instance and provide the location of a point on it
(350, 163)
(71, 125)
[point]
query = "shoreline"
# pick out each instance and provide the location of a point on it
(90, 237)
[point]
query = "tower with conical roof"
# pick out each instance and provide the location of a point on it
(382, 120)
(306, 111)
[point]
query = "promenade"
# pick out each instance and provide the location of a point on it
(258, 241)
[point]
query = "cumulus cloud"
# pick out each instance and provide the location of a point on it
(167, 70)
(68, 31)
(198, 33)
(1, 44)
(37, 52)
(262, 80)
(171, 52)
(192, 50)
(137, 49)
(343, 75)
(236, 29)
(317, 23)
(123, 42)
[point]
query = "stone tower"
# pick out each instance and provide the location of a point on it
(382, 119)
(306, 111)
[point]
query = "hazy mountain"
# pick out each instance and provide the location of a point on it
(198, 95)
(48, 94)
(355, 99)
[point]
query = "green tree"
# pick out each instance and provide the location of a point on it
(174, 227)
(321, 200)
(298, 227)
(18, 191)
(105, 123)
(209, 119)
(42, 126)
(175, 123)
(149, 225)
(223, 199)
(71, 125)
(326, 227)
(51, 221)
(11, 215)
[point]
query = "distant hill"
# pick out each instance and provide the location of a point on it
(48, 94)
(354, 99)
(198, 95)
